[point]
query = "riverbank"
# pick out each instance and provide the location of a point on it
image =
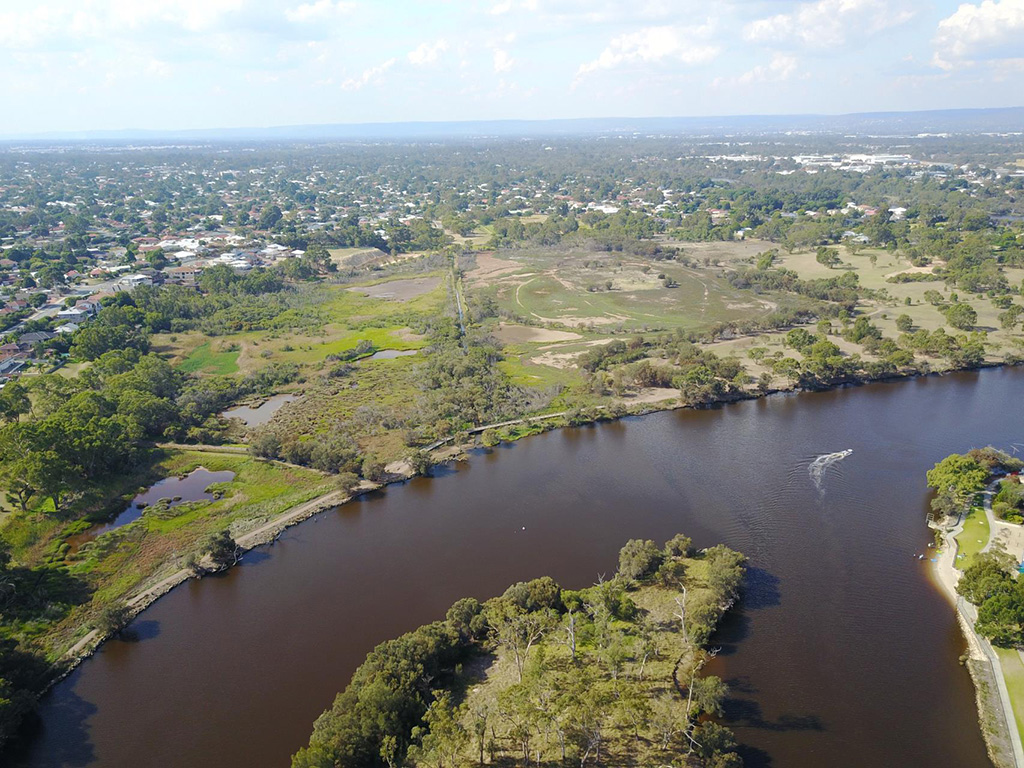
(995, 709)
(327, 593)
(172, 576)
(437, 453)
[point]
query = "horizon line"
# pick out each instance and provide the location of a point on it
(82, 134)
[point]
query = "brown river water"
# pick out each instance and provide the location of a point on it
(843, 652)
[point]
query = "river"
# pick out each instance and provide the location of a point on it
(843, 652)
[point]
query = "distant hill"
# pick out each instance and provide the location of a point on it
(1001, 120)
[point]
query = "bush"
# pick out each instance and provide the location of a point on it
(639, 559)
(223, 549)
(112, 618)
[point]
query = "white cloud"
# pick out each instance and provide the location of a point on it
(427, 53)
(319, 10)
(368, 76)
(502, 61)
(993, 29)
(781, 67)
(505, 6)
(687, 45)
(828, 23)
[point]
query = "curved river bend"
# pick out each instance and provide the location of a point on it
(843, 653)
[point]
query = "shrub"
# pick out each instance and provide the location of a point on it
(638, 559)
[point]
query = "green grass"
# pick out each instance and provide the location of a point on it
(973, 537)
(520, 371)
(381, 338)
(1013, 674)
(204, 360)
(571, 288)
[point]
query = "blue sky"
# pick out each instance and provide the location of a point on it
(114, 64)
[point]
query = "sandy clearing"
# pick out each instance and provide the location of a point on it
(911, 271)
(562, 345)
(558, 360)
(519, 334)
(575, 320)
(650, 395)
(400, 290)
(488, 266)
(407, 334)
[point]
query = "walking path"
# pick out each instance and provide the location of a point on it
(979, 648)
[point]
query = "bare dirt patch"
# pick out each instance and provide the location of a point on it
(400, 290)
(572, 320)
(912, 271)
(489, 267)
(519, 334)
(650, 395)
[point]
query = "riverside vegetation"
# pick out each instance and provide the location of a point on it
(607, 675)
(547, 288)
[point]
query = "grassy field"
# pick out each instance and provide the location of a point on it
(883, 312)
(610, 291)
(204, 359)
(1013, 674)
(973, 537)
(602, 296)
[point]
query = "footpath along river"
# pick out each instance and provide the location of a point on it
(843, 652)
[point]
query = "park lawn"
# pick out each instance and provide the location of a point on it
(120, 562)
(203, 359)
(973, 537)
(1013, 674)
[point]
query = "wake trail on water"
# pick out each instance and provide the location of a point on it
(820, 465)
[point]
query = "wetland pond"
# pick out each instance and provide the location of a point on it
(257, 416)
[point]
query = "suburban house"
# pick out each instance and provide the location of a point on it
(129, 282)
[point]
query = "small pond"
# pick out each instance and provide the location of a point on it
(178, 490)
(391, 354)
(261, 414)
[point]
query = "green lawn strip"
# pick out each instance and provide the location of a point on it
(973, 537)
(1013, 674)
(204, 360)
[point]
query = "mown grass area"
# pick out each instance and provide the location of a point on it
(973, 537)
(119, 563)
(203, 359)
(1013, 674)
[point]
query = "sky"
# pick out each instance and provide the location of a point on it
(73, 65)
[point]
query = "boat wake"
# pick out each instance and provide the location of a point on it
(821, 464)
